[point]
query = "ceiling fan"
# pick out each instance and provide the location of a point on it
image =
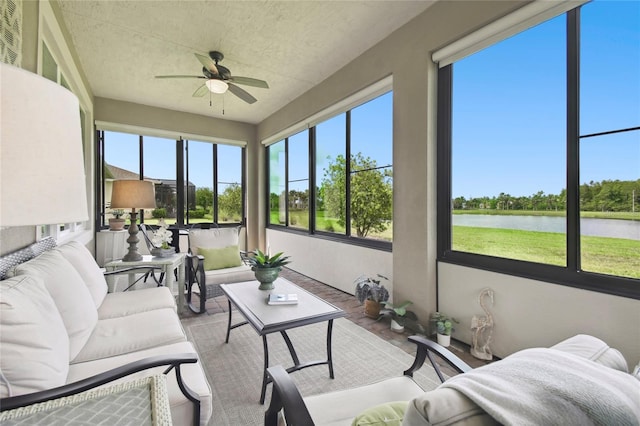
(219, 79)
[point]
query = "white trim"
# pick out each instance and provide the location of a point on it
(365, 95)
(526, 17)
(169, 134)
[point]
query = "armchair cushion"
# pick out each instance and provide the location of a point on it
(212, 238)
(34, 354)
(220, 258)
(71, 296)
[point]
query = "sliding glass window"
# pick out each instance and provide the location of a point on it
(327, 195)
(539, 152)
(213, 185)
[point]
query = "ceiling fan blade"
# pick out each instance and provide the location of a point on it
(241, 93)
(247, 81)
(208, 63)
(200, 91)
(180, 76)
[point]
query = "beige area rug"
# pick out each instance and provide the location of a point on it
(234, 370)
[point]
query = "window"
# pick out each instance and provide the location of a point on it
(213, 185)
(327, 195)
(535, 177)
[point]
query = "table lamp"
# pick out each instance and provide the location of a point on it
(133, 194)
(42, 176)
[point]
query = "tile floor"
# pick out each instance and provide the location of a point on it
(355, 313)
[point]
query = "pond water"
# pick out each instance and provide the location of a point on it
(628, 229)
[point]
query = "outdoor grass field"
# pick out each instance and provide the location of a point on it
(612, 256)
(556, 213)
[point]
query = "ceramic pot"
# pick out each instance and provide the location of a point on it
(160, 252)
(444, 340)
(116, 224)
(266, 277)
(371, 309)
(396, 326)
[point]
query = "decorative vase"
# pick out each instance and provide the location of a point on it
(161, 252)
(266, 277)
(116, 224)
(396, 326)
(444, 340)
(371, 309)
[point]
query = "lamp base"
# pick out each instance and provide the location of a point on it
(133, 255)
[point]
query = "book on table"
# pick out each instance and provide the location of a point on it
(282, 299)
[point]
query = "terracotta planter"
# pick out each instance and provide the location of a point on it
(372, 309)
(266, 277)
(116, 224)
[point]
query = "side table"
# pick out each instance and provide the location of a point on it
(167, 264)
(143, 401)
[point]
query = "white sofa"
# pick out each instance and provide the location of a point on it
(58, 325)
(578, 381)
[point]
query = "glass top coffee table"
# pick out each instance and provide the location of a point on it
(267, 319)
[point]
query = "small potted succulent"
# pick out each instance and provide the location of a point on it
(266, 268)
(370, 292)
(116, 223)
(444, 327)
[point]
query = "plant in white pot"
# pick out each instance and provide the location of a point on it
(401, 317)
(371, 293)
(444, 327)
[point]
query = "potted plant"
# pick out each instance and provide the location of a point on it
(370, 292)
(116, 223)
(444, 327)
(266, 268)
(401, 317)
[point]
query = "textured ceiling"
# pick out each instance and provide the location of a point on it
(293, 45)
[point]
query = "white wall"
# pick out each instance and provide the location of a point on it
(530, 313)
(333, 263)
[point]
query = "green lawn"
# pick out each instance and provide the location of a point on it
(613, 256)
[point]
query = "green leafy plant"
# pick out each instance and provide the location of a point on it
(443, 323)
(368, 288)
(117, 213)
(398, 313)
(260, 260)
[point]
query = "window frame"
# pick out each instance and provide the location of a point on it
(346, 238)
(570, 275)
(181, 178)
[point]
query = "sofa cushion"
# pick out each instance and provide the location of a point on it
(388, 414)
(123, 303)
(81, 259)
(34, 345)
(193, 376)
(213, 238)
(220, 258)
(68, 291)
(121, 335)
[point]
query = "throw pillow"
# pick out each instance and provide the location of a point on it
(213, 238)
(220, 258)
(34, 346)
(81, 259)
(388, 414)
(69, 293)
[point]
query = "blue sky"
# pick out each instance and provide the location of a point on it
(509, 106)
(507, 96)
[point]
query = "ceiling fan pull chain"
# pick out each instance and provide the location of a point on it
(223, 104)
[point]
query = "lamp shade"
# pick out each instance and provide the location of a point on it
(133, 194)
(42, 176)
(217, 86)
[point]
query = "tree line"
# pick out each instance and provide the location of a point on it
(608, 195)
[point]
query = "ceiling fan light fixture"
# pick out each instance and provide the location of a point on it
(217, 86)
